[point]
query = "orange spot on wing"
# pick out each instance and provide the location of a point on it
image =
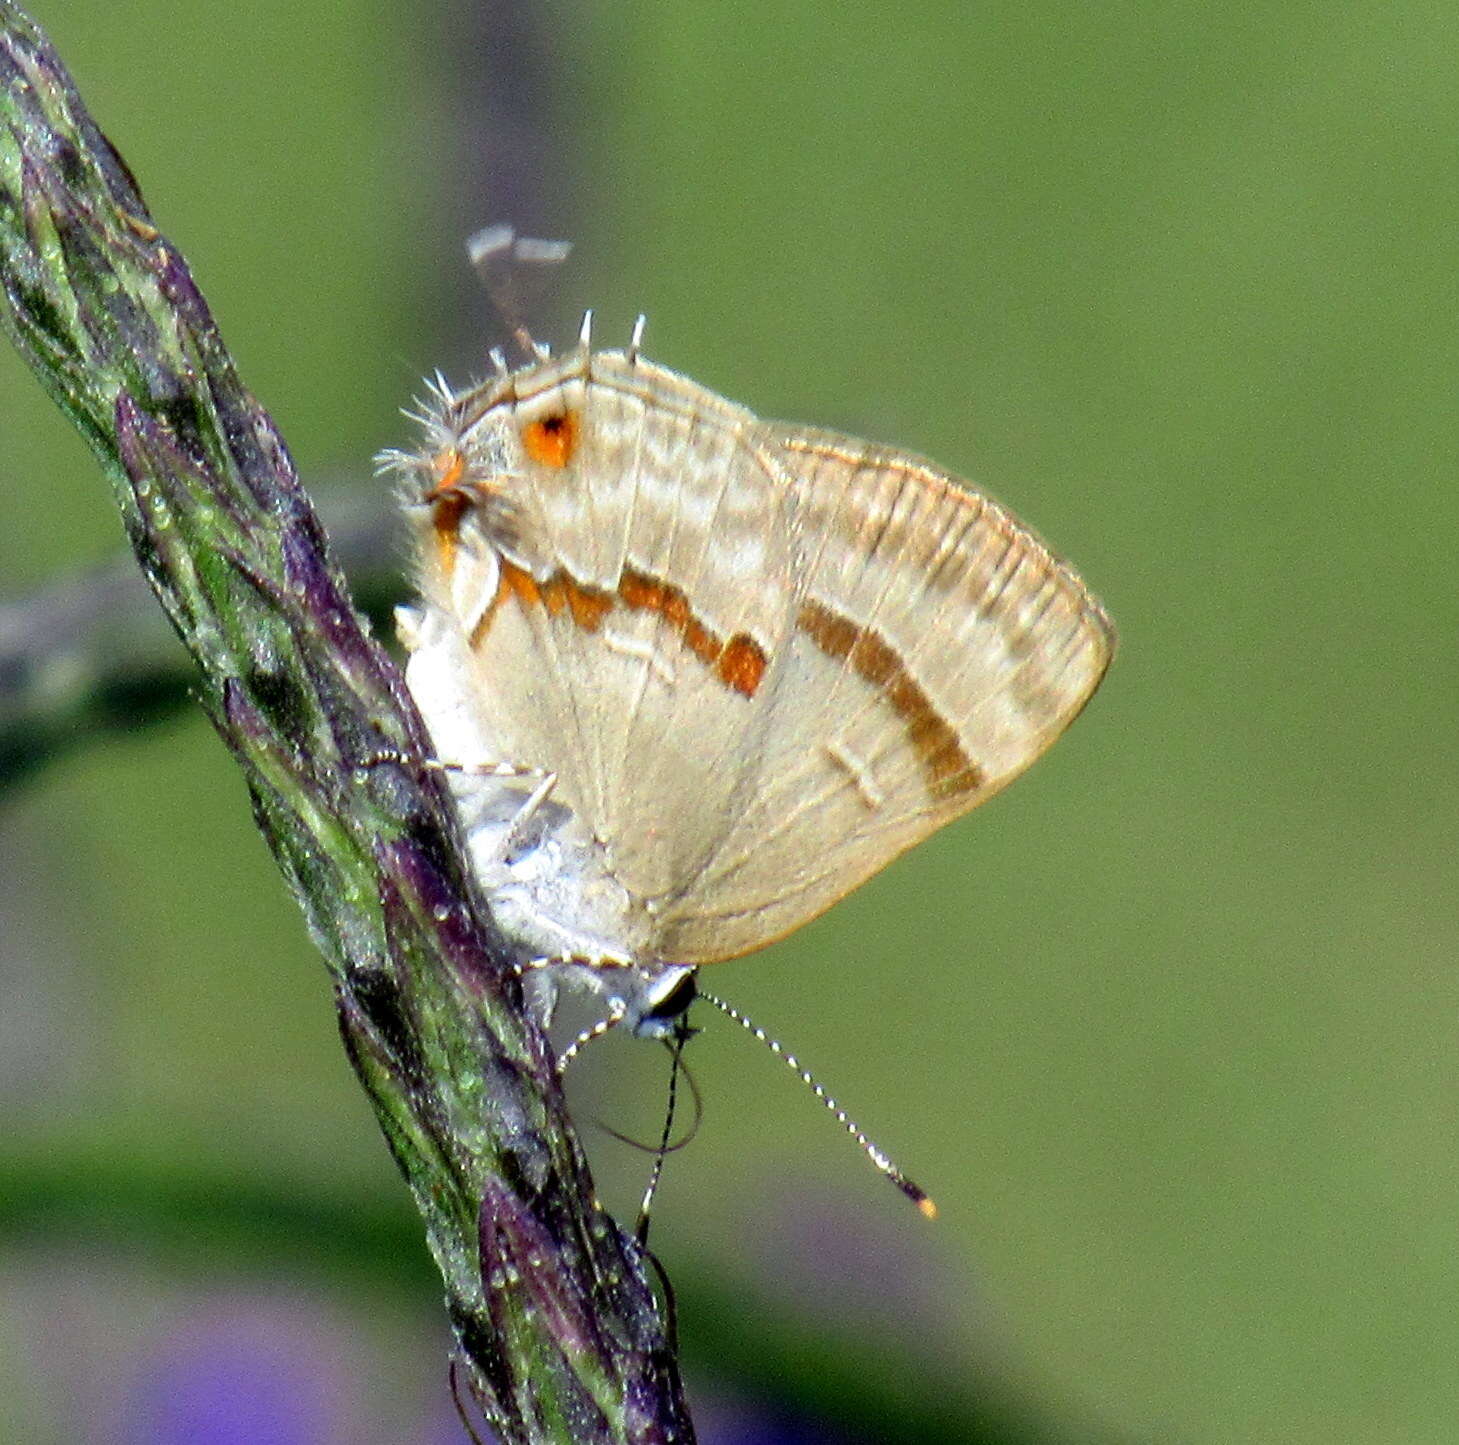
(742, 664)
(551, 440)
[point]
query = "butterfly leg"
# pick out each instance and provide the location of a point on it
(540, 986)
(541, 980)
(617, 1012)
(503, 837)
(514, 838)
(441, 765)
(484, 770)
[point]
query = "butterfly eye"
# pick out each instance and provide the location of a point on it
(676, 1001)
(551, 440)
(447, 499)
(447, 510)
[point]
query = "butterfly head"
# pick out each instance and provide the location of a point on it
(495, 457)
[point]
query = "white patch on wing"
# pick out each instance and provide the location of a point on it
(644, 651)
(860, 772)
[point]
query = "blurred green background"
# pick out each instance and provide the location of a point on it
(1169, 1029)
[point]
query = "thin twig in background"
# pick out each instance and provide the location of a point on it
(90, 655)
(555, 1322)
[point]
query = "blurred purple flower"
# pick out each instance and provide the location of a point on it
(251, 1371)
(731, 1420)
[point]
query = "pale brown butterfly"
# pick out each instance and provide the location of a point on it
(700, 675)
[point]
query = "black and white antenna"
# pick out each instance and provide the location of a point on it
(680, 1037)
(883, 1164)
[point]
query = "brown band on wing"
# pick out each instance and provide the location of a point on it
(556, 595)
(950, 771)
(739, 663)
(587, 606)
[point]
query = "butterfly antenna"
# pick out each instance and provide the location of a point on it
(671, 1304)
(684, 1140)
(682, 1033)
(884, 1165)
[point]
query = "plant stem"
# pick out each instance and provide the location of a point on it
(556, 1325)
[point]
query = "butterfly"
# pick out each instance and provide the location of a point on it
(708, 673)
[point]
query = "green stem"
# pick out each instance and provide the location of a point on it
(557, 1327)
